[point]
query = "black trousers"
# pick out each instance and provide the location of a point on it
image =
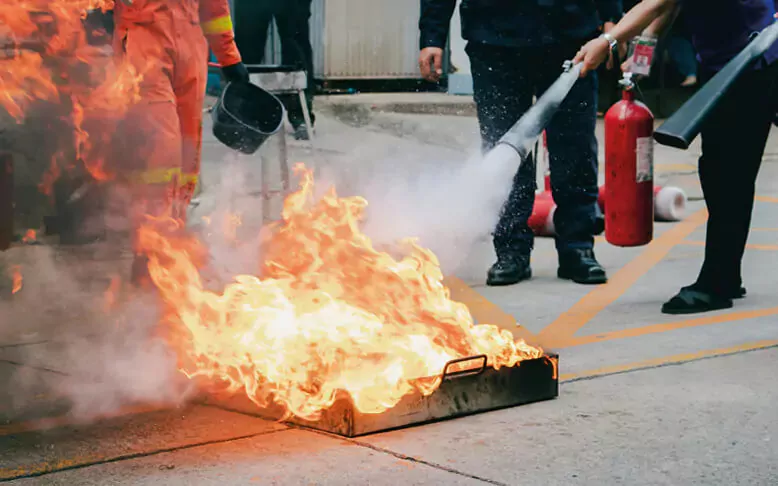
(733, 142)
(252, 21)
(504, 82)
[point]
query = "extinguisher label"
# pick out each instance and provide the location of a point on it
(645, 159)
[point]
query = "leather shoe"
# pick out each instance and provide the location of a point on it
(581, 267)
(509, 271)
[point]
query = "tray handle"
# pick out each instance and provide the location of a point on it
(461, 374)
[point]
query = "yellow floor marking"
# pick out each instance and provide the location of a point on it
(44, 467)
(675, 359)
(67, 421)
(567, 324)
(768, 199)
(667, 326)
(748, 246)
(484, 311)
(675, 167)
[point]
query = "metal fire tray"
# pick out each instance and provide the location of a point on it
(460, 393)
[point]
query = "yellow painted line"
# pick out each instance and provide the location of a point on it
(68, 421)
(667, 326)
(748, 246)
(764, 229)
(484, 311)
(675, 167)
(567, 324)
(667, 360)
(768, 199)
(46, 467)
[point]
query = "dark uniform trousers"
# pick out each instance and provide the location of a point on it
(252, 21)
(504, 82)
(733, 143)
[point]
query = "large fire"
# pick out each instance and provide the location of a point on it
(326, 314)
(45, 56)
(330, 313)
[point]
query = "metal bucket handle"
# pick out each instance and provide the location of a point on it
(461, 374)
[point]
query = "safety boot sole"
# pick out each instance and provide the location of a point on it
(588, 280)
(511, 279)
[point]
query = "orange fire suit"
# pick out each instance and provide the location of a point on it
(159, 142)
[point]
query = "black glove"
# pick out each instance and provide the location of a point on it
(237, 73)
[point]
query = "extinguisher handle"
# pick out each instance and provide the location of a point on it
(627, 81)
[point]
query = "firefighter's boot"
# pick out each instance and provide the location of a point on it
(581, 267)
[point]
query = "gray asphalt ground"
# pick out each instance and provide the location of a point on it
(645, 399)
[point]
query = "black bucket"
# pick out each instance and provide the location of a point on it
(246, 115)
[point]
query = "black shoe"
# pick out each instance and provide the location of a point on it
(301, 132)
(509, 271)
(581, 267)
(735, 294)
(693, 300)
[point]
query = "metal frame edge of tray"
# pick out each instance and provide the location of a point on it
(459, 394)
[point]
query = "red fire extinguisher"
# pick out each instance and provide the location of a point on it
(629, 170)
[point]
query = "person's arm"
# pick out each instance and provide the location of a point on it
(610, 12)
(216, 23)
(658, 27)
(596, 51)
(433, 27)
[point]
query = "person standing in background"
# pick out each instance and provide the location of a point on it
(252, 21)
(682, 53)
(733, 136)
(517, 50)
(679, 47)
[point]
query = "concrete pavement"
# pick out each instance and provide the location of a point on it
(706, 422)
(645, 398)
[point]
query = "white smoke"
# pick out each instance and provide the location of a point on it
(73, 342)
(448, 211)
(110, 360)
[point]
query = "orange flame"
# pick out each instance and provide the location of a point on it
(44, 56)
(111, 293)
(30, 236)
(16, 278)
(331, 313)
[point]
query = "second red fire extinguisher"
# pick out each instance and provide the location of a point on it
(629, 170)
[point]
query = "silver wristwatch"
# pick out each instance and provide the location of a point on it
(612, 42)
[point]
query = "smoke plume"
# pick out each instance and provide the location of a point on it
(79, 339)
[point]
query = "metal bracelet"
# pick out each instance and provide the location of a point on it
(612, 42)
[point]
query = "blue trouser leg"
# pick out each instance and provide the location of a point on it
(682, 53)
(572, 148)
(503, 91)
(504, 81)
